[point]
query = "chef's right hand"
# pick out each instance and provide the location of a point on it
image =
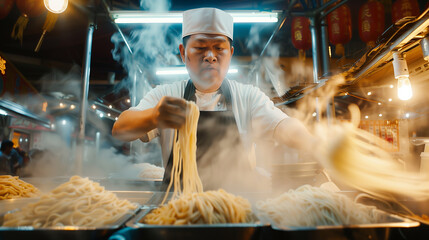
(170, 112)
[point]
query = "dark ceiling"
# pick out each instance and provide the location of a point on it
(62, 51)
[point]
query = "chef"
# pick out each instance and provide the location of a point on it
(232, 114)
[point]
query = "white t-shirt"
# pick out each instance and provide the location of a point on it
(255, 114)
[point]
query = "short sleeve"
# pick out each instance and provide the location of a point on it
(264, 114)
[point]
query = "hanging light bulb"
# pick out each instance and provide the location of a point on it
(401, 73)
(424, 43)
(56, 6)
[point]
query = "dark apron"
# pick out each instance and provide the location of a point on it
(220, 153)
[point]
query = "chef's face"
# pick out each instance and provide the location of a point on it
(207, 58)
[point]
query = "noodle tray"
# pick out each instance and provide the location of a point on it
(63, 232)
(387, 225)
(239, 231)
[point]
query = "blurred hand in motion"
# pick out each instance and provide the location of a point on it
(170, 112)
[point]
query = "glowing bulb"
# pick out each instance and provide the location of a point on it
(390, 99)
(116, 118)
(101, 115)
(72, 106)
(346, 93)
(53, 126)
(94, 107)
(366, 116)
(56, 6)
(314, 114)
(108, 114)
(379, 104)
(407, 115)
(110, 106)
(61, 104)
(64, 122)
(404, 88)
(128, 100)
(380, 115)
(391, 86)
(369, 93)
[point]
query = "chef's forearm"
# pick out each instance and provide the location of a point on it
(132, 125)
(293, 133)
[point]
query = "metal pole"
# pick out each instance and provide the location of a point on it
(324, 42)
(314, 29)
(86, 68)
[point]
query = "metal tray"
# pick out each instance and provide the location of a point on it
(388, 227)
(63, 232)
(239, 231)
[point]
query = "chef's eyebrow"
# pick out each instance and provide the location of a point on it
(220, 40)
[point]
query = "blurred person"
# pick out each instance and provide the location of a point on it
(5, 162)
(232, 115)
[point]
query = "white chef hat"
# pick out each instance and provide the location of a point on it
(207, 20)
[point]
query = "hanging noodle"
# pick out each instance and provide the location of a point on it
(191, 205)
(13, 187)
(309, 206)
(78, 202)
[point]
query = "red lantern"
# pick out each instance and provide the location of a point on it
(32, 8)
(301, 36)
(404, 8)
(340, 28)
(371, 22)
(5, 7)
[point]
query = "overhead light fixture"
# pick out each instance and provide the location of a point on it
(176, 17)
(3, 112)
(401, 73)
(183, 71)
(424, 43)
(56, 6)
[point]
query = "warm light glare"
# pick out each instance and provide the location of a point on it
(56, 6)
(72, 106)
(379, 104)
(128, 100)
(407, 115)
(94, 107)
(61, 104)
(176, 17)
(108, 114)
(390, 99)
(391, 86)
(314, 114)
(369, 93)
(380, 115)
(110, 106)
(366, 116)
(116, 118)
(404, 88)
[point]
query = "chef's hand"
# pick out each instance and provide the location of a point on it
(170, 112)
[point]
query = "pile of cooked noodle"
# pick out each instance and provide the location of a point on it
(190, 205)
(202, 208)
(78, 202)
(13, 187)
(309, 206)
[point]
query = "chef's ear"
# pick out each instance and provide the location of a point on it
(232, 50)
(182, 52)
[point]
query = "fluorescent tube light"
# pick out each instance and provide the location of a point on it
(176, 17)
(182, 71)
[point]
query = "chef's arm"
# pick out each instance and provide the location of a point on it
(170, 112)
(293, 133)
(132, 124)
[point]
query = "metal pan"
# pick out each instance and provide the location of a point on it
(63, 232)
(239, 231)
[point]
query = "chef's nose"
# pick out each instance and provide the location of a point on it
(210, 57)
